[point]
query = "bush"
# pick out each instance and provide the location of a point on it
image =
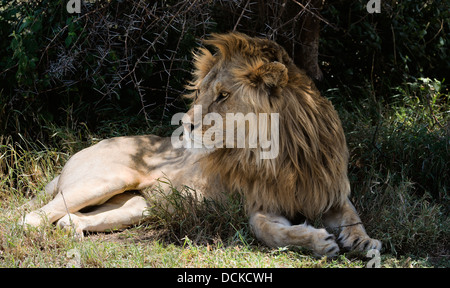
(399, 167)
(127, 56)
(407, 40)
(132, 58)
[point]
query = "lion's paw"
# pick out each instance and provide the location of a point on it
(351, 241)
(72, 223)
(34, 219)
(325, 244)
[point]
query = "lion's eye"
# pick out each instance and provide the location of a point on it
(222, 96)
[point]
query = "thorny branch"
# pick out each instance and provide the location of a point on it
(139, 44)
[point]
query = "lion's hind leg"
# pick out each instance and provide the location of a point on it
(73, 197)
(277, 231)
(119, 212)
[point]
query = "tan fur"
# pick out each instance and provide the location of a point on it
(309, 175)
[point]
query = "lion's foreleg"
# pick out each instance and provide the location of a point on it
(352, 235)
(119, 212)
(277, 231)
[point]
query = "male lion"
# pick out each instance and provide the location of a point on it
(307, 177)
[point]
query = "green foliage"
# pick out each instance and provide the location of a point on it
(422, 101)
(133, 57)
(410, 138)
(407, 39)
(114, 57)
(399, 166)
(418, 135)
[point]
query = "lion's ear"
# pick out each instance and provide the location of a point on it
(271, 75)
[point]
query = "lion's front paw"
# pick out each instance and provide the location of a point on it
(71, 222)
(34, 219)
(325, 244)
(351, 240)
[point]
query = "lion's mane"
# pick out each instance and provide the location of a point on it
(309, 176)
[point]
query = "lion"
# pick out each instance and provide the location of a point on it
(307, 177)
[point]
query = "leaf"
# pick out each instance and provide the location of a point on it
(70, 38)
(24, 24)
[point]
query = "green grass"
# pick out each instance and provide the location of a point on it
(397, 170)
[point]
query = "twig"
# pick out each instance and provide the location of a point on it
(172, 58)
(435, 35)
(240, 16)
(395, 49)
(318, 16)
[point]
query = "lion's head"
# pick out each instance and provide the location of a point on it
(256, 76)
